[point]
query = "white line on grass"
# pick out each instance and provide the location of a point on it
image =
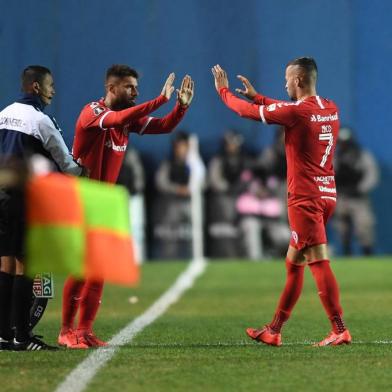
(80, 377)
(243, 344)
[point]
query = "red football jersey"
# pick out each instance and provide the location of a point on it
(101, 135)
(311, 131)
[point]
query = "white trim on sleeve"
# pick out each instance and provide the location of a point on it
(261, 110)
(102, 118)
(145, 125)
(319, 102)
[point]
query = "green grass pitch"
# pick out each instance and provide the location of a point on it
(199, 344)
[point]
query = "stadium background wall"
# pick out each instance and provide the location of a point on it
(79, 40)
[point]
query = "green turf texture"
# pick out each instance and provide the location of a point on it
(200, 343)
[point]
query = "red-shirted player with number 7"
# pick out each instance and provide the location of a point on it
(311, 129)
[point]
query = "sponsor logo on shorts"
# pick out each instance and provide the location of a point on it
(295, 236)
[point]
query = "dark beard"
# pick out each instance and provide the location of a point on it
(123, 105)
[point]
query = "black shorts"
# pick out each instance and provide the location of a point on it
(12, 222)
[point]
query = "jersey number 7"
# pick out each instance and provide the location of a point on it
(329, 138)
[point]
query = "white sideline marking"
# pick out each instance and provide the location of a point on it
(79, 378)
(242, 344)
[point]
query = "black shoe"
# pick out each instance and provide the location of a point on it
(6, 344)
(33, 343)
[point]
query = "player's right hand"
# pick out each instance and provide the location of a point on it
(220, 77)
(249, 91)
(168, 87)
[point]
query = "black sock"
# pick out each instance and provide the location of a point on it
(6, 283)
(21, 304)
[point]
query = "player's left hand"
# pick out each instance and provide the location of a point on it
(186, 91)
(220, 76)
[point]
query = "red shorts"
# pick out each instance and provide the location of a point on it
(307, 220)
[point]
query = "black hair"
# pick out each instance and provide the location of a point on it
(181, 136)
(308, 65)
(33, 73)
(121, 71)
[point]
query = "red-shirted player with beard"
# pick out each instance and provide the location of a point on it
(101, 139)
(311, 129)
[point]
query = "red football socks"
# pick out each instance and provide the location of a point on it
(328, 292)
(290, 294)
(89, 305)
(71, 299)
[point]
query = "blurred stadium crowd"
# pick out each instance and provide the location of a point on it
(244, 198)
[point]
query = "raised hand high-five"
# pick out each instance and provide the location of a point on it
(249, 91)
(186, 91)
(168, 87)
(220, 77)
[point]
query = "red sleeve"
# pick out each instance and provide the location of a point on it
(282, 113)
(152, 125)
(240, 106)
(263, 100)
(100, 116)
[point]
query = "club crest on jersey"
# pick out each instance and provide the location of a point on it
(98, 110)
(295, 236)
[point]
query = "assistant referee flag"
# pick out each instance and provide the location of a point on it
(79, 227)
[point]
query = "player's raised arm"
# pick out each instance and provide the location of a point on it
(151, 125)
(238, 105)
(114, 119)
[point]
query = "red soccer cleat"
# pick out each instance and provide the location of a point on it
(90, 339)
(69, 339)
(265, 335)
(335, 339)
